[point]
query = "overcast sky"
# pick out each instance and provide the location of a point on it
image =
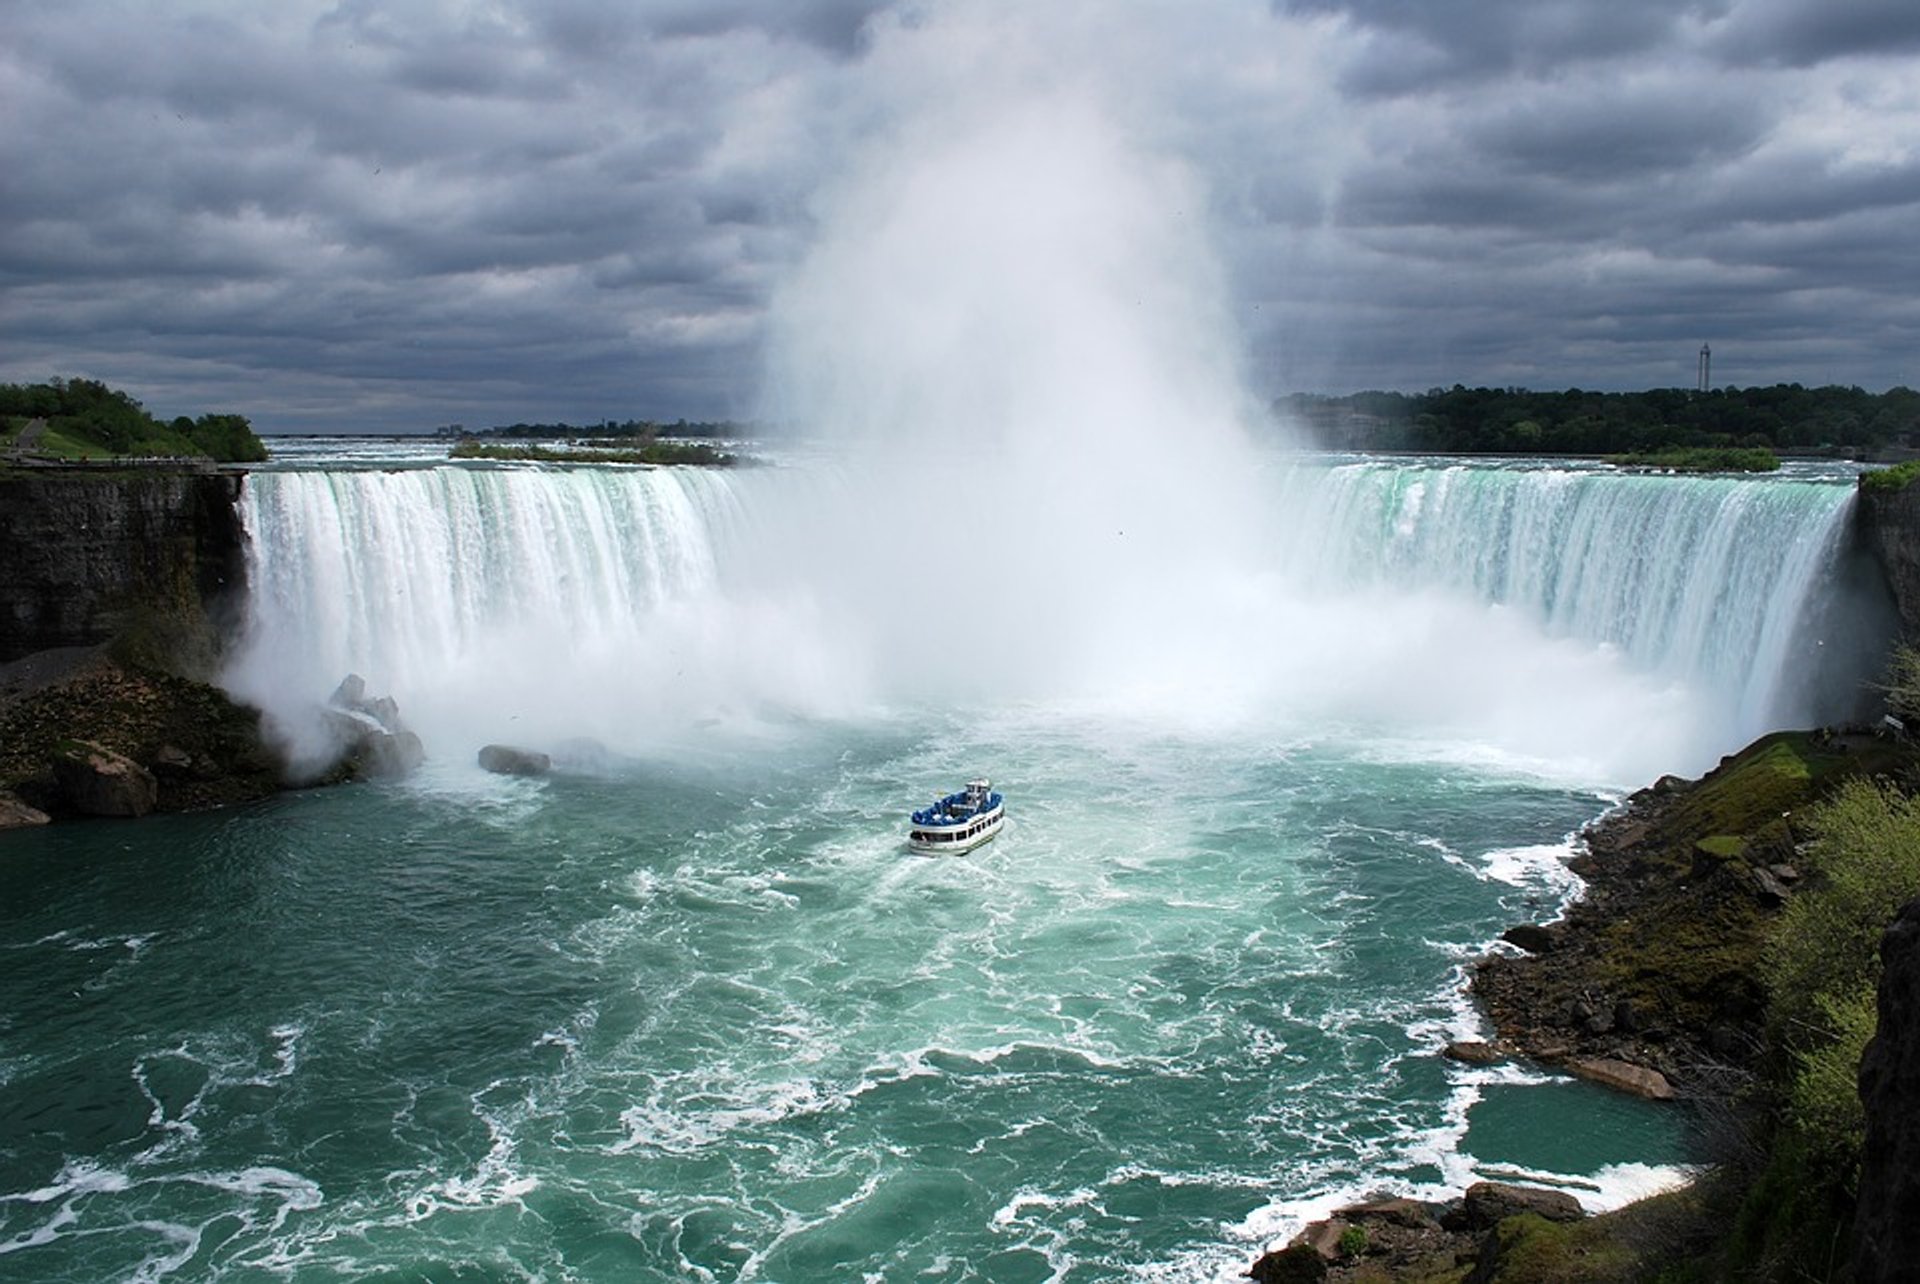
(387, 216)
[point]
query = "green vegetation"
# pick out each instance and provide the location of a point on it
(1897, 477)
(1353, 1241)
(651, 452)
(1852, 836)
(1516, 421)
(1902, 685)
(1704, 459)
(86, 420)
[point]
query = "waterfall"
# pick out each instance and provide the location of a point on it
(1637, 622)
(1728, 584)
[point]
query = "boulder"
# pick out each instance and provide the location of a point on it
(1396, 1210)
(172, 760)
(1296, 1264)
(351, 693)
(389, 755)
(1625, 1076)
(1488, 1203)
(373, 740)
(1473, 1053)
(15, 814)
(1768, 889)
(99, 782)
(505, 760)
(1530, 937)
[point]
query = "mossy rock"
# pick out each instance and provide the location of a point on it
(1529, 1249)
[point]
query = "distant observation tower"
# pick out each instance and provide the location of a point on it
(1706, 367)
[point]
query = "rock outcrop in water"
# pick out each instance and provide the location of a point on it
(505, 760)
(374, 743)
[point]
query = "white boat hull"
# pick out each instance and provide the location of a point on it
(949, 840)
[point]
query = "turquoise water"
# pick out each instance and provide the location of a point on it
(703, 1017)
(1281, 759)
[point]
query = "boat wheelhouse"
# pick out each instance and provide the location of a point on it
(959, 822)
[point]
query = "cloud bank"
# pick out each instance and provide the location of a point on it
(356, 216)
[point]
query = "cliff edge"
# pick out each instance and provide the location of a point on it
(91, 557)
(1887, 521)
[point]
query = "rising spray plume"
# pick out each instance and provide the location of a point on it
(1046, 487)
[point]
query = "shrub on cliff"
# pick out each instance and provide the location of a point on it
(1894, 478)
(1902, 685)
(1823, 968)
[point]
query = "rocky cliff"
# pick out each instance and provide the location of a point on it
(87, 556)
(1889, 526)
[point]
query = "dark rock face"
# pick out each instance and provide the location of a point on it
(1886, 1242)
(1889, 526)
(1298, 1264)
(1530, 937)
(505, 760)
(84, 553)
(99, 782)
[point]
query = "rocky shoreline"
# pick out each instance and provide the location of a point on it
(1647, 984)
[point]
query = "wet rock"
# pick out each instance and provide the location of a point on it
(1295, 1264)
(15, 814)
(1397, 1211)
(390, 755)
(1623, 1075)
(505, 760)
(1488, 1203)
(1530, 937)
(1473, 1053)
(375, 744)
(96, 781)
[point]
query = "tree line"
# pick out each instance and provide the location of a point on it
(85, 419)
(636, 429)
(1784, 417)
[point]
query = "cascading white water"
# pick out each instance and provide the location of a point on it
(1622, 624)
(1721, 584)
(529, 604)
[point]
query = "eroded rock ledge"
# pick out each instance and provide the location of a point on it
(1650, 982)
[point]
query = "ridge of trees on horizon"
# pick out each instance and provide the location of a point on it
(641, 429)
(85, 418)
(1784, 417)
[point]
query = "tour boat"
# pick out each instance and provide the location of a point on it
(959, 822)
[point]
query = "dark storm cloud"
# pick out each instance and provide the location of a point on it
(1796, 34)
(364, 214)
